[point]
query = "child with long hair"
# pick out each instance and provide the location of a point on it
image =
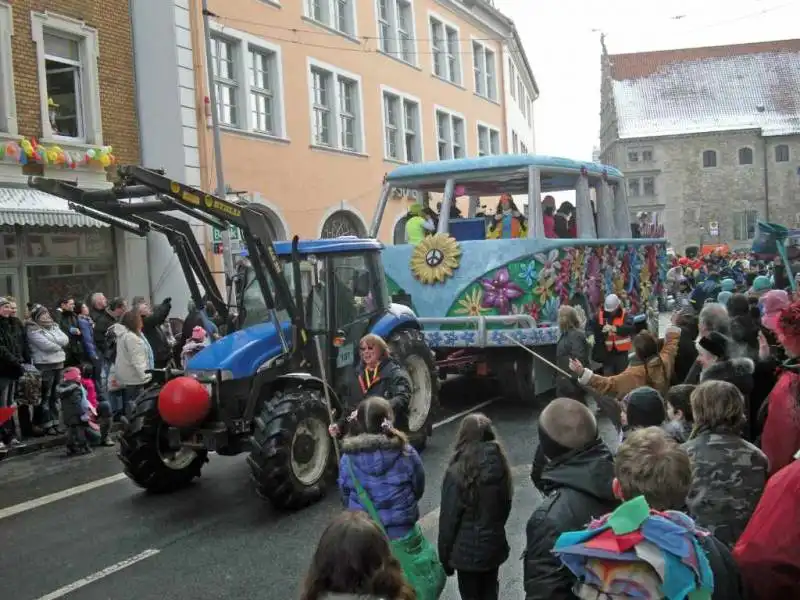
(476, 503)
(353, 558)
(387, 467)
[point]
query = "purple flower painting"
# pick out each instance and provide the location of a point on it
(500, 291)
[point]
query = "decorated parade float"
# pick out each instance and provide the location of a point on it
(485, 285)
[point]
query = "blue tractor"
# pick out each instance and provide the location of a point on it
(284, 367)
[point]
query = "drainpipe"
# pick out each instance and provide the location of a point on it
(766, 175)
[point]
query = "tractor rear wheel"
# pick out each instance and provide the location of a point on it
(292, 461)
(409, 348)
(145, 453)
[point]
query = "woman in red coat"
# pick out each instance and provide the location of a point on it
(780, 439)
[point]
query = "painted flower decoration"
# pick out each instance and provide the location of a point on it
(550, 311)
(470, 304)
(524, 309)
(550, 263)
(528, 273)
(500, 291)
(545, 288)
(435, 258)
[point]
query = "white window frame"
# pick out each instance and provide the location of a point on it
(512, 78)
(90, 79)
(242, 43)
(515, 142)
(456, 78)
(8, 98)
(490, 129)
(488, 94)
(401, 130)
(451, 114)
(392, 43)
(329, 16)
(336, 73)
(523, 149)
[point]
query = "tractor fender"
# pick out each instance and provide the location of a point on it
(396, 317)
(307, 380)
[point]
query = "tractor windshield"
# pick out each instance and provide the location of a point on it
(252, 300)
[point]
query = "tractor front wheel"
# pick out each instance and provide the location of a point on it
(409, 348)
(146, 455)
(292, 460)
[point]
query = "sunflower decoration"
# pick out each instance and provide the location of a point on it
(435, 258)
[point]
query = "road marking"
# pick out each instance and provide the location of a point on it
(464, 413)
(123, 564)
(50, 498)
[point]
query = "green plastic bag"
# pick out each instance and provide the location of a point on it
(416, 555)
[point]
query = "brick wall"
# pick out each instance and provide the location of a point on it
(115, 68)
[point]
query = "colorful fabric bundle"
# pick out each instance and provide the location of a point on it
(636, 552)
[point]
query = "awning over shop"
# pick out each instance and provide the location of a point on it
(25, 206)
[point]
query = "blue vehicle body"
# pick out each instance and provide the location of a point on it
(241, 353)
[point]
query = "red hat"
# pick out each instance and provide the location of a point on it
(72, 374)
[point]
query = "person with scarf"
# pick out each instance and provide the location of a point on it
(47, 343)
(67, 319)
(130, 372)
(509, 221)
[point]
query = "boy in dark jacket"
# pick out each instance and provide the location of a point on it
(576, 481)
(74, 411)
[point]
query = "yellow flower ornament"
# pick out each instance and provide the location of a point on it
(435, 258)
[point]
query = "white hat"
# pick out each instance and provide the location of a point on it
(612, 303)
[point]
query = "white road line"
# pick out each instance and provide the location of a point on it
(464, 413)
(123, 564)
(50, 498)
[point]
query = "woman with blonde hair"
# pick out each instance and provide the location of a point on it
(572, 345)
(729, 472)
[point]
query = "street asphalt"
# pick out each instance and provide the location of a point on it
(104, 539)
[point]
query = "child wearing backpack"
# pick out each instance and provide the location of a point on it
(476, 503)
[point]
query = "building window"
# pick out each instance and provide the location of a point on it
(523, 149)
(648, 186)
(529, 104)
(520, 92)
(488, 140)
(396, 29)
(248, 82)
(483, 60)
(512, 77)
(641, 186)
(341, 223)
(69, 82)
(515, 142)
(745, 156)
(709, 159)
(744, 225)
(446, 50)
(634, 190)
(450, 135)
(335, 14)
(782, 153)
(336, 114)
(402, 127)
(647, 156)
(8, 102)
(633, 156)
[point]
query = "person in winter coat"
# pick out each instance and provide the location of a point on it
(380, 375)
(86, 326)
(571, 345)
(643, 407)
(714, 356)
(67, 319)
(745, 324)
(129, 374)
(13, 354)
(680, 420)
(353, 561)
(386, 466)
(577, 485)
(47, 343)
(729, 472)
(613, 332)
(153, 328)
(687, 321)
(780, 438)
(75, 411)
(475, 505)
(103, 320)
(713, 317)
(649, 368)
(767, 551)
(193, 345)
(652, 465)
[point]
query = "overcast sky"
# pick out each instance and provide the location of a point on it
(564, 51)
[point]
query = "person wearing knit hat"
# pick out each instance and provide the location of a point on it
(723, 297)
(643, 407)
(761, 285)
(728, 285)
(771, 305)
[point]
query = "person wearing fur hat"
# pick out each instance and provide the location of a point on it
(614, 331)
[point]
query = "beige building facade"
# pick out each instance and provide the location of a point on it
(319, 99)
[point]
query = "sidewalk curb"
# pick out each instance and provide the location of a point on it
(44, 443)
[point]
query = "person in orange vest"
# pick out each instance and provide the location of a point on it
(614, 336)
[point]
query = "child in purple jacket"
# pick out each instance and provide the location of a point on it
(388, 468)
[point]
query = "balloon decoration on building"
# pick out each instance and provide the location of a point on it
(25, 151)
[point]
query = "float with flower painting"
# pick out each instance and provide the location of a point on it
(480, 284)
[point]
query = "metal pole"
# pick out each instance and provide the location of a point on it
(227, 256)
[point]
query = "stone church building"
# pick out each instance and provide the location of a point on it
(708, 138)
